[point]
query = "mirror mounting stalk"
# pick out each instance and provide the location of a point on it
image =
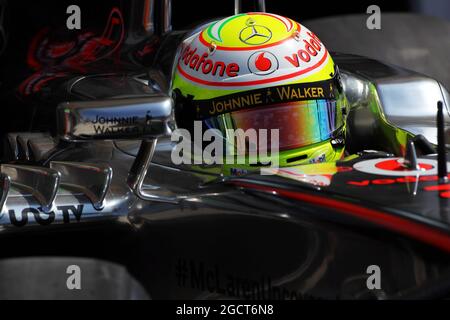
(120, 119)
(442, 157)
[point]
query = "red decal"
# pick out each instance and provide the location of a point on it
(364, 183)
(394, 165)
(407, 179)
(383, 181)
(207, 66)
(232, 69)
(429, 178)
(262, 63)
(293, 60)
(248, 83)
(313, 35)
(440, 187)
(312, 48)
(445, 194)
(305, 56)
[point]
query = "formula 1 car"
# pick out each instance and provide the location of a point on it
(93, 185)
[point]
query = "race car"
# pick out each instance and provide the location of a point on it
(97, 186)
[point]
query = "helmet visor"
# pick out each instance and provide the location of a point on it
(300, 123)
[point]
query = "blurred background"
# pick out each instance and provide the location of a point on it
(305, 10)
(38, 52)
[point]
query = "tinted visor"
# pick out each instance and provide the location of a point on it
(300, 123)
(304, 114)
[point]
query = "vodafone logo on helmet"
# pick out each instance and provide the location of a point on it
(203, 63)
(262, 63)
(310, 48)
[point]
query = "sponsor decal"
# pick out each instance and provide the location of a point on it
(267, 96)
(399, 174)
(112, 125)
(44, 219)
(120, 121)
(286, 21)
(395, 167)
(319, 159)
(238, 172)
(262, 63)
(443, 189)
(390, 181)
(311, 48)
(204, 64)
(255, 34)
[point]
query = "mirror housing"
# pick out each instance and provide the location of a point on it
(145, 119)
(115, 119)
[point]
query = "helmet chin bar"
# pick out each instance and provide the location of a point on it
(120, 119)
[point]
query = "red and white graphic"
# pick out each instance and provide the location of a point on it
(291, 59)
(396, 167)
(262, 63)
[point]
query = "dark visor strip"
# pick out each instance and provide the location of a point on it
(265, 97)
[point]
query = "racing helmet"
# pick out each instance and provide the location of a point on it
(262, 71)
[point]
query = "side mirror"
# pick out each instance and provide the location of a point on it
(134, 118)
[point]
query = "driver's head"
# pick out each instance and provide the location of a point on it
(263, 71)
